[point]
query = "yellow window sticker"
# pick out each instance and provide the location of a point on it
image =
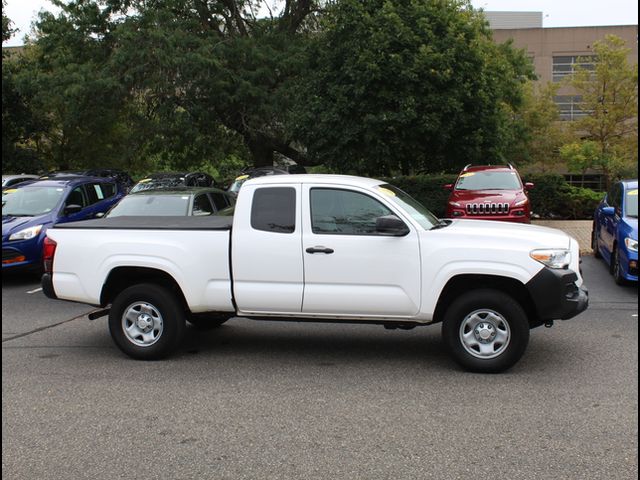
(386, 191)
(633, 192)
(242, 177)
(468, 174)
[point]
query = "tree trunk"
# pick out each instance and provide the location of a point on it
(261, 150)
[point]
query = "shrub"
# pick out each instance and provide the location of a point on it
(427, 189)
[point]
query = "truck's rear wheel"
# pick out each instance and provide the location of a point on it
(485, 331)
(147, 321)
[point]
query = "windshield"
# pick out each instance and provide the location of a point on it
(489, 181)
(157, 183)
(154, 205)
(235, 186)
(30, 201)
(631, 203)
(415, 209)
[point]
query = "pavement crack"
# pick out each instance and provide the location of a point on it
(46, 327)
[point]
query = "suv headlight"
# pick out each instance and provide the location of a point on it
(26, 234)
(631, 244)
(552, 258)
(521, 203)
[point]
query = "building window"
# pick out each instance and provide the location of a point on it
(570, 107)
(565, 66)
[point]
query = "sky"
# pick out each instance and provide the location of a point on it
(556, 13)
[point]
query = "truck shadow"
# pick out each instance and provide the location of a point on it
(314, 342)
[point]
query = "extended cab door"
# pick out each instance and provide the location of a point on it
(266, 254)
(350, 268)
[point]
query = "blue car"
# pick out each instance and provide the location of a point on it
(30, 208)
(615, 231)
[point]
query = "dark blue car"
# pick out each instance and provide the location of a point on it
(29, 209)
(615, 231)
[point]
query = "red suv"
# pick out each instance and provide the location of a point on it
(487, 192)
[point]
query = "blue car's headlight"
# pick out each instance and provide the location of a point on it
(631, 244)
(27, 233)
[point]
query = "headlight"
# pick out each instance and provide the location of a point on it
(553, 258)
(521, 202)
(26, 234)
(631, 244)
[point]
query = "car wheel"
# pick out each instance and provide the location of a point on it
(616, 268)
(595, 244)
(486, 331)
(146, 321)
(207, 321)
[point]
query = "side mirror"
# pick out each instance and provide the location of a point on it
(608, 211)
(529, 186)
(71, 209)
(99, 215)
(391, 225)
(448, 186)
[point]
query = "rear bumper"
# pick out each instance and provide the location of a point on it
(47, 286)
(556, 296)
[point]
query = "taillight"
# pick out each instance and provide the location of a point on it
(48, 251)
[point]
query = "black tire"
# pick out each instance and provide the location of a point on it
(161, 317)
(616, 268)
(595, 246)
(207, 321)
(489, 312)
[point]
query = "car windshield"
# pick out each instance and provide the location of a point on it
(30, 201)
(631, 202)
(489, 181)
(235, 186)
(415, 209)
(154, 205)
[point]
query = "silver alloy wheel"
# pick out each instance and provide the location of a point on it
(485, 334)
(142, 324)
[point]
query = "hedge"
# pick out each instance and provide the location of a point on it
(551, 198)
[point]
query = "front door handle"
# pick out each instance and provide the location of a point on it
(320, 250)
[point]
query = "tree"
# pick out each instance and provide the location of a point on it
(408, 86)
(610, 96)
(540, 134)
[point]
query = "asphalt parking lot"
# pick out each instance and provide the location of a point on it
(271, 400)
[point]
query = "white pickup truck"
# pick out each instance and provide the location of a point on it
(320, 248)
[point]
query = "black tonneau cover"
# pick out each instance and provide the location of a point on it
(208, 222)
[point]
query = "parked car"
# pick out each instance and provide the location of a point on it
(263, 172)
(174, 202)
(119, 175)
(160, 180)
(488, 192)
(11, 180)
(29, 209)
(615, 231)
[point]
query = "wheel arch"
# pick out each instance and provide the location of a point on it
(121, 278)
(467, 282)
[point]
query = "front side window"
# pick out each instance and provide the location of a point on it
(274, 210)
(344, 212)
(77, 197)
(201, 205)
(489, 181)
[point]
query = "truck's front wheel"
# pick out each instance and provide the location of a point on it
(486, 331)
(146, 321)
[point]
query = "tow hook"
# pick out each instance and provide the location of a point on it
(548, 323)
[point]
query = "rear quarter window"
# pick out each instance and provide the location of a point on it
(274, 210)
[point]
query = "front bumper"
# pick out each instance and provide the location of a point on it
(556, 295)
